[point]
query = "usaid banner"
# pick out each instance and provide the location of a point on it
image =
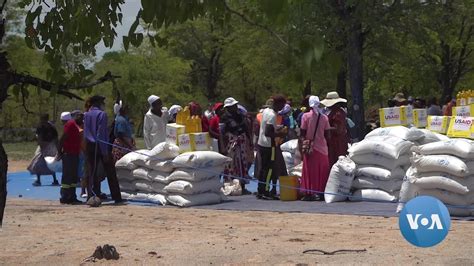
(424, 221)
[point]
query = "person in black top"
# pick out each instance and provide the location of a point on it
(47, 137)
(236, 136)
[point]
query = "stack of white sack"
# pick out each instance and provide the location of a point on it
(291, 154)
(196, 179)
(444, 170)
(340, 180)
(143, 174)
(429, 137)
(382, 159)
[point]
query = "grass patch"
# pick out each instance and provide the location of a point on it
(20, 150)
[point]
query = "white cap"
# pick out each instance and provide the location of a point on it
(313, 101)
(174, 109)
(230, 102)
(152, 99)
(66, 116)
(117, 107)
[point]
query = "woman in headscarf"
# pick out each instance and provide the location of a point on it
(124, 141)
(338, 143)
(237, 141)
(313, 145)
(47, 137)
(288, 121)
(173, 112)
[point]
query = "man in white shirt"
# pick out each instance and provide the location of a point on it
(269, 161)
(154, 125)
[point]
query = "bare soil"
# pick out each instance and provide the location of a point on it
(47, 233)
(17, 166)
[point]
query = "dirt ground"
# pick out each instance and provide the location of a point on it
(17, 166)
(45, 232)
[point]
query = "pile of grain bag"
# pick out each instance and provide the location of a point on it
(162, 176)
(445, 170)
(143, 174)
(196, 179)
(291, 154)
(382, 159)
(340, 180)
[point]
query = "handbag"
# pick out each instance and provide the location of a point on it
(307, 145)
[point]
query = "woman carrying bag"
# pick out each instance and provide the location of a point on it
(313, 146)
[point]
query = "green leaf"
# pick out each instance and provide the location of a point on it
(134, 26)
(148, 8)
(126, 42)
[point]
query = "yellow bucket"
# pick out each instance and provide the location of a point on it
(289, 188)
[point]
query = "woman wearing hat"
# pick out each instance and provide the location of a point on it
(236, 140)
(338, 143)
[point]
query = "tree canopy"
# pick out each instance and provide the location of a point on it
(207, 50)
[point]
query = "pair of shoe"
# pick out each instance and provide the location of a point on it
(310, 198)
(120, 202)
(71, 202)
(36, 183)
(267, 197)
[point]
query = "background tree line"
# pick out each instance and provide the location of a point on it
(259, 48)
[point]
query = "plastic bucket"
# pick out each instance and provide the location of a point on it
(289, 187)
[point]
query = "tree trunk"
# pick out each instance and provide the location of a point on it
(307, 88)
(341, 80)
(3, 181)
(213, 74)
(356, 78)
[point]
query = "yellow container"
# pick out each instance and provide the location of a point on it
(289, 187)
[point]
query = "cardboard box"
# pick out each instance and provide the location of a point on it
(419, 118)
(438, 124)
(393, 116)
(461, 127)
(466, 111)
(184, 143)
(200, 141)
(407, 114)
(173, 131)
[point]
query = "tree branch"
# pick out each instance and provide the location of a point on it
(62, 89)
(23, 99)
(3, 6)
(244, 18)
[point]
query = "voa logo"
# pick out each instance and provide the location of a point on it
(424, 221)
(434, 222)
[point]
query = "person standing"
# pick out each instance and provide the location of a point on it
(314, 130)
(237, 141)
(339, 141)
(123, 133)
(448, 106)
(269, 163)
(155, 121)
(69, 149)
(173, 112)
(47, 137)
(97, 136)
(214, 130)
(434, 108)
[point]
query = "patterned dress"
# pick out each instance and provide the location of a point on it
(238, 146)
